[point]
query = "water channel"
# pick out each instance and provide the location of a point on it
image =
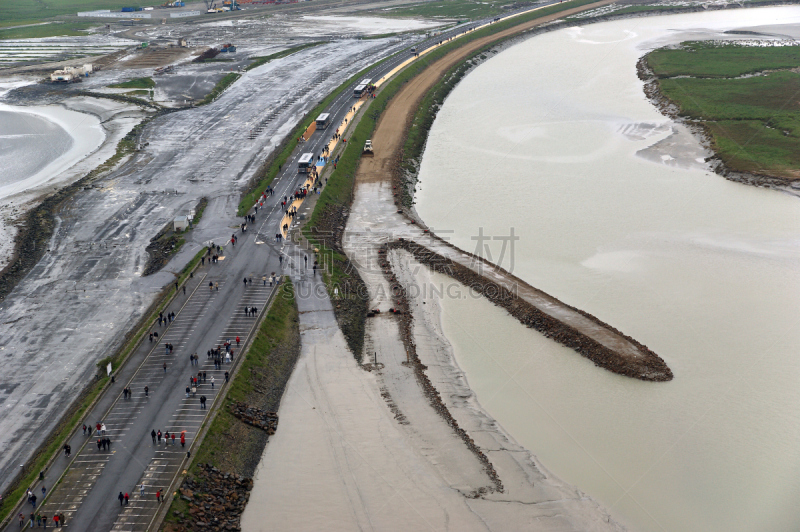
(617, 214)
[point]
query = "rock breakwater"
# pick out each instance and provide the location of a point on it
(647, 366)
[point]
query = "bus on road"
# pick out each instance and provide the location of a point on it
(359, 90)
(323, 121)
(305, 162)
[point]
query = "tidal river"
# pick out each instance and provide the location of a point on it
(617, 215)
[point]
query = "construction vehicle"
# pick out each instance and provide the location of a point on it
(368, 151)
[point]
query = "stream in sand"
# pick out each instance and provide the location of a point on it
(617, 215)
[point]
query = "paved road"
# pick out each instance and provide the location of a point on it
(87, 495)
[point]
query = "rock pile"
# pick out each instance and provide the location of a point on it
(256, 417)
(216, 500)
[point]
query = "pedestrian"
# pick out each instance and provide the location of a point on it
(227, 376)
(38, 519)
(172, 436)
(237, 341)
(126, 498)
(158, 496)
(61, 518)
(210, 286)
(44, 490)
(158, 436)
(55, 520)
(151, 338)
(203, 402)
(146, 390)
(305, 259)
(33, 518)
(183, 439)
(176, 286)
(216, 286)
(44, 520)
(204, 376)
(202, 261)
(103, 428)
(153, 435)
(165, 367)
(141, 490)
(212, 382)
(184, 289)
(84, 429)
(187, 391)
(21, 520)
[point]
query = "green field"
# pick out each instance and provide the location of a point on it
(754, 122)
(28, 11)
(700, 59)
(55, 29)
(449, 9)
(136, 83)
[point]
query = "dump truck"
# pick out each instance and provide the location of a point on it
(368, 151)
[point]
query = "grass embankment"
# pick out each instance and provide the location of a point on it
(135, 83)
(275, 163)
(753, 122)
(231, 445)
(77, 411)
(226, 81)
(264, 59)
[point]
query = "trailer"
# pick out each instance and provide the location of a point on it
(323, 121)
(305, 162)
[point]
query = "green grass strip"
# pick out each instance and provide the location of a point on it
(219, 88)
(135, 83)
